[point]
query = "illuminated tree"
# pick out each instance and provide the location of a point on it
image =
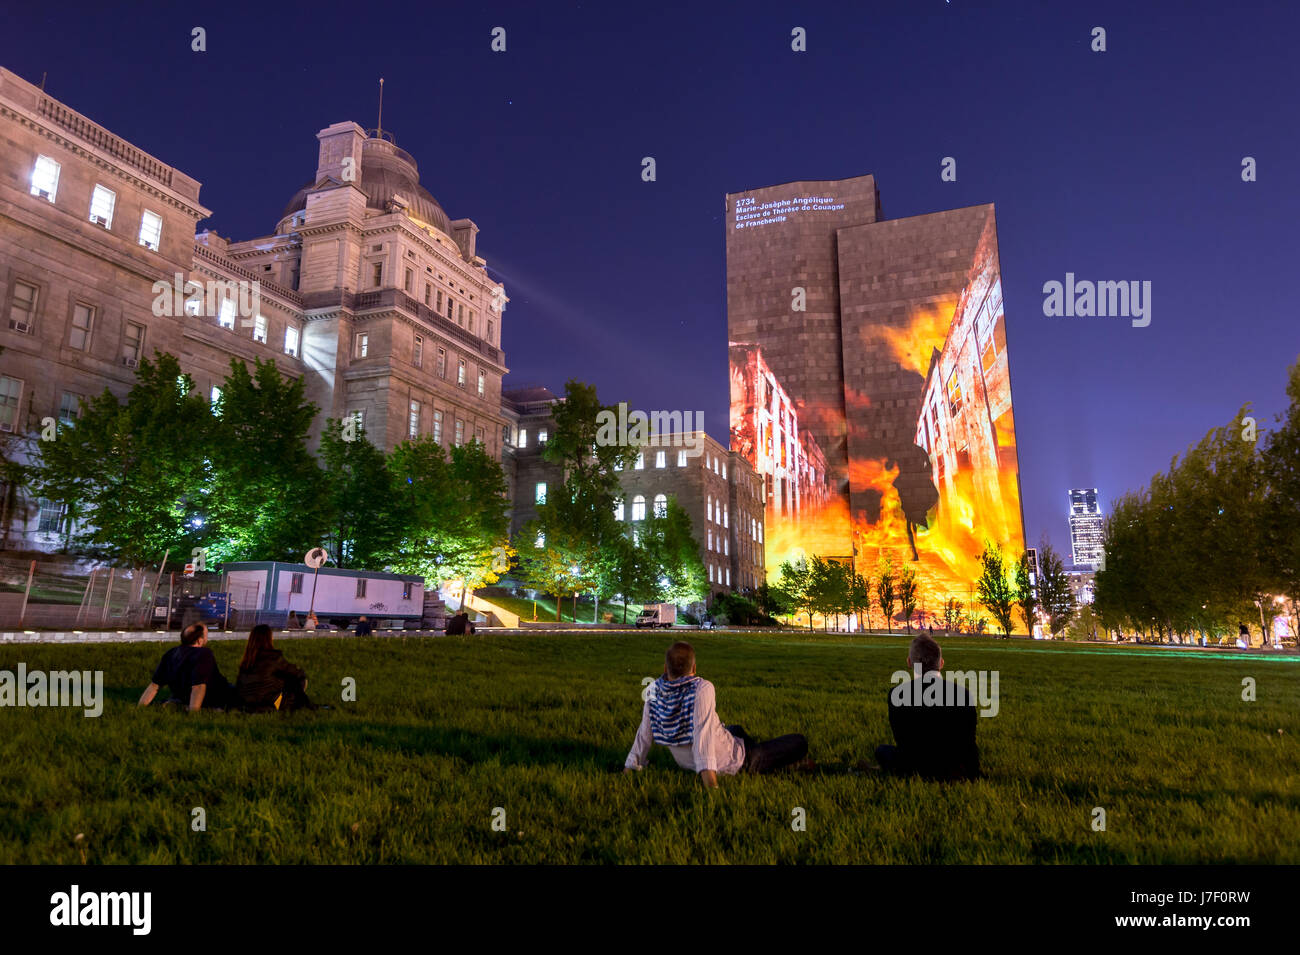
(993, 588)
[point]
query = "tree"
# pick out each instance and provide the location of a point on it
(993, 588)
(1054, 589)
(796, 587)
(362, 499)
(556, 568)
(952, 615)
(885, 595)
(828, 588)
(860, 598)
(268, 498)
(136, 472)
(671, 552)
(1281, 473)
(770, 600)
(907, 594)
(1026, 595)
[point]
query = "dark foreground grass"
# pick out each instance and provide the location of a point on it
(446, 730)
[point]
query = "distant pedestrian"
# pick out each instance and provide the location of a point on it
(293, 623)
(364, 629)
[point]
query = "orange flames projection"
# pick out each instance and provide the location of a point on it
(926, 332)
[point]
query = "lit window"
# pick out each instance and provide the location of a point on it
(102, 201)
(681, 458)
(69, 408)
(11, 393)
(442, 363)
(83, 318)
(460, 432)
(259, 329)
(640, 461)
(638, 508)
(661, 459)
(541, 539)
(618, 465)
(45, 178)
(661, 505)
(542, 435)
(710, 573)
(710, 545)
(726, 518)
(417, 353)
(363, 344)
(413, 420)
(214, 399)
(226, 317)
(23, 310)
(437, 427)
(291, 337)
(539, 493)
(618, 509)
(482, 382)
(523, 437)
(150, 230)
(460, 372)
(132, 344)
(709, 499)
(726, 545)
(728, 572)
(724, 469)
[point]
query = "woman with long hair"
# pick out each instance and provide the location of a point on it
(267, 681)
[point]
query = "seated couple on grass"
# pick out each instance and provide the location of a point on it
(680, 713)
(266, 680)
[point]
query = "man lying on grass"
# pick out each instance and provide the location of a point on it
(190, 670)
(935, 737)
(680, 713)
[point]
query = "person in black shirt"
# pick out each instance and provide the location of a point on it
(364, 629)
(190, 671)
(267, 681)
(459, 625)
(936, 740)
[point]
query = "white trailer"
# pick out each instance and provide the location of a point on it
(272, 590)
(657, 615)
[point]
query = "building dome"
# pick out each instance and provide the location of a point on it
(387, 171)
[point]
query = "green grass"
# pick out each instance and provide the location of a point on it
(444, 730)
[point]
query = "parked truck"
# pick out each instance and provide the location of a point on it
(657, 615)
(268, 591)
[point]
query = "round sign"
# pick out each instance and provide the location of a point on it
(315, 558)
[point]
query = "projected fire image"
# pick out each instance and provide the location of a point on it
(910, 454)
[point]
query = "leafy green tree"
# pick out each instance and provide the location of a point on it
(886, 578)
(770, 600)
(1026, 594)
(1281, 474)
(136, 473)
(1054, 589)
(671, 550)
(860, 598)
(363, 501)
(993, 588)
(907, 594)
(796, 587)
(268, 497)
(952, 615)
(562, 567)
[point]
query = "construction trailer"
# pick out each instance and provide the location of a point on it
(263, 591)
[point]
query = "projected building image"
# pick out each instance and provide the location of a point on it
(891, 391)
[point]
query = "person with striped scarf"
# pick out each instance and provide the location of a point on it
(680, 713)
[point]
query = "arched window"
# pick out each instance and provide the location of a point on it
(638, 508)
(661, 505)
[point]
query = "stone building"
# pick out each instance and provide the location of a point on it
(365, 289)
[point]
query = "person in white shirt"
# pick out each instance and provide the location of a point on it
(680, 713)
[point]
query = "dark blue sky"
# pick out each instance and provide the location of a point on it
(1117, 165)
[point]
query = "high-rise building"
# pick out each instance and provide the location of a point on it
(365, 290)
(1087, 529)
(869, 379)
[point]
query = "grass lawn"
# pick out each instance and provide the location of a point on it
(444, 730)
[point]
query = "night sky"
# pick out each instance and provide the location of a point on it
(1114, 166)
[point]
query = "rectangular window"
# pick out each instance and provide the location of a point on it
(259, 329)
(491, 328)
(51, 518)
(543, 436)
(22, 313)
(226, 317)
(710, 573)
(460, 314)
(437, 427)
(214, 398)
(363, 344)
(460, 372)
(541, 540)
(377, 274)
(295, 584)
(442, 363)
(710, 538)
(361, 587)
(449, 306)
(69, 408)
(83, 319)
(640, 461)
(428, 293)
(102, 202)
(539, 493)
(407, 587)
(417, 352)
(470, 324)
(291, 338)
(523, 437)
(438, 303)
(681, 458)
(45, 178)
(11, 394)
(413, 420)
(618, 509)
(132, 344)
(151, 230)
(661, 459)
(482, 382)
(408, 280)
(460, 432)
(478, 435)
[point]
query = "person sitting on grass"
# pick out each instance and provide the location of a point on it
(190, 671)
(936, 740)
(267, 681)
(680, 713)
